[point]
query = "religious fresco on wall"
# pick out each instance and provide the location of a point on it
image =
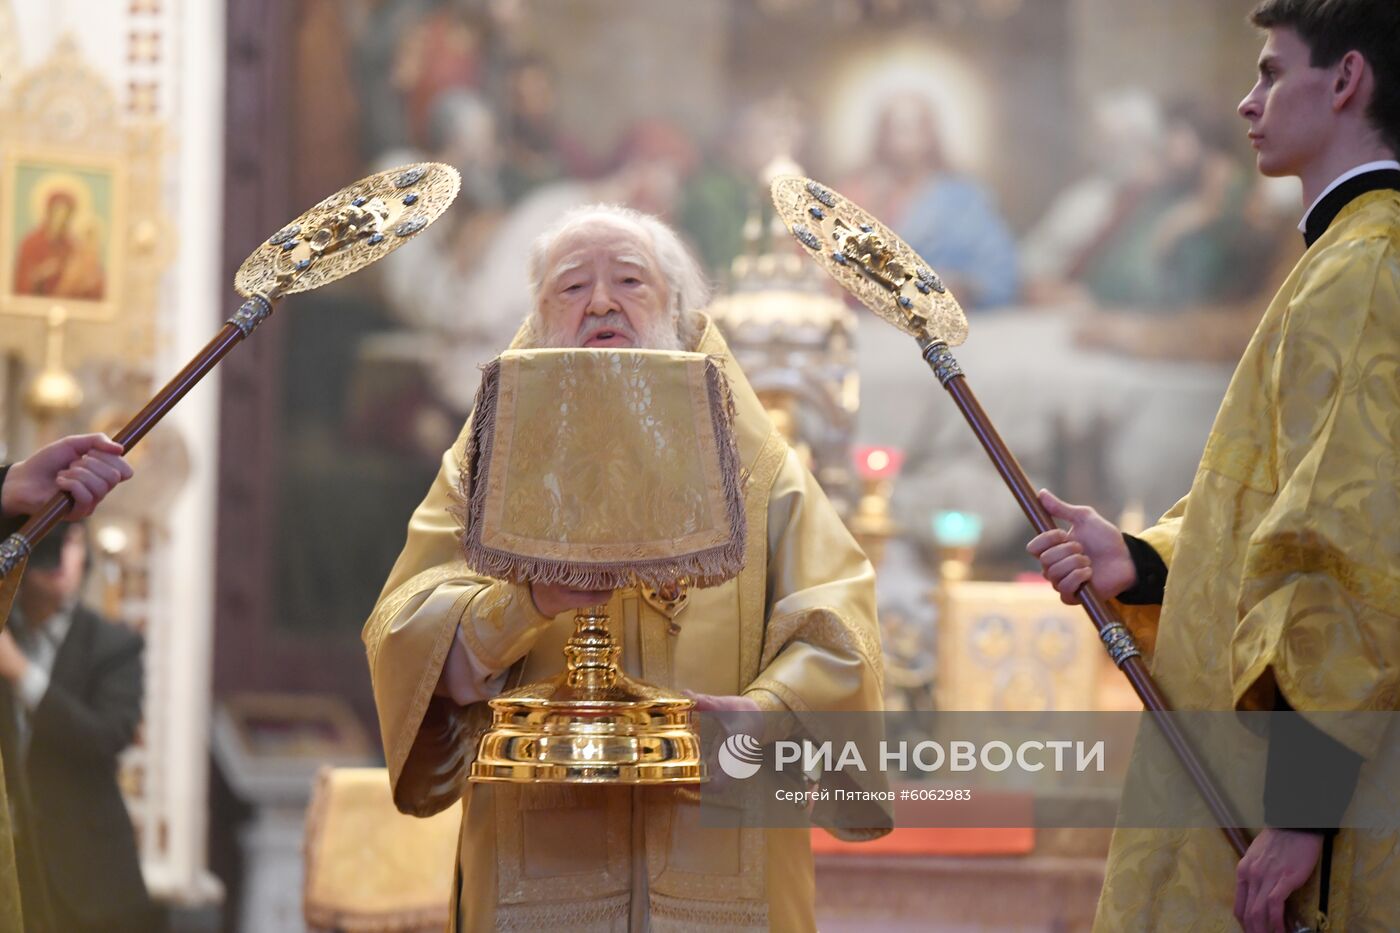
(1111, 229)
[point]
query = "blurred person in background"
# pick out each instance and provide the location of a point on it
(1170, 221)
(73, 705)
(1124, 147)
(70, 702)
(729, 184)
(1187, 240)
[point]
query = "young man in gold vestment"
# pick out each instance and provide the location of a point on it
(86, 467)
(795, 631)
(1278, 575)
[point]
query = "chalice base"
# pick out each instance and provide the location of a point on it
(626, 733)
(590, 725)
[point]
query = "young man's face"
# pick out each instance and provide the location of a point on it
(60, 584)
(1290, 109)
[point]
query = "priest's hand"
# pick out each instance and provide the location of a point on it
(86, 466)
(552, 599)
(1277, 863)
(742, 714)
(1091, 549)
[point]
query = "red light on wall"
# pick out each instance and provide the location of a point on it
(878, 462)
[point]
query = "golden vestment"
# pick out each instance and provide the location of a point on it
(795, 630)
(1285, 574)
(10, 921)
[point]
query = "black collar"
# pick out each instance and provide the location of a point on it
(1326, 210)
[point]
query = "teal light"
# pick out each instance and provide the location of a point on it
(957, 529)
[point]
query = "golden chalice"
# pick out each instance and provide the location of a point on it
(600, 469)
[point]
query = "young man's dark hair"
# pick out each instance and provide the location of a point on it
(1331, 28)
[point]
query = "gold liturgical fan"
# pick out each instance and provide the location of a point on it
(878, 268)
(342, 234)
(600, 469)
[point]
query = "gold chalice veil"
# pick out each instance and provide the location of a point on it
(599, 469)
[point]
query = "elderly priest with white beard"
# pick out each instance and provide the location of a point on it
(795, 631)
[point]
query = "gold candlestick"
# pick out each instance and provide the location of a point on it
(54, 393)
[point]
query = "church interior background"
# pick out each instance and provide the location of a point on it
(1118, 243)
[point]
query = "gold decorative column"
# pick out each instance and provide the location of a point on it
(54, 394)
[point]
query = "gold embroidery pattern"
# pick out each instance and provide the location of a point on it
(493, 603)
(824, 628)
(780, 690)
(386, 613)
(681, 915)
(434, 776)
(1299, 554)
(656, 644)
(408, 726)
(749, 886)
(611, 806)
(511, 626)
(624, 464)
(753, 578)
(605, 915)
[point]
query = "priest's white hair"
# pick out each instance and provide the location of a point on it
(685, 282)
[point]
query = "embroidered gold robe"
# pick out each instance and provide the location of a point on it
(9, 871)
(1285, 574)
(796, 630)
(10, 921)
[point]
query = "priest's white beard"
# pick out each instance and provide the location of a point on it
(658, 334)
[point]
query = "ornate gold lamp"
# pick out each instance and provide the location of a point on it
(599, 469)
(872, 524)
(55, 391)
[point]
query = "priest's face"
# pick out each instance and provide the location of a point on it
(1290, 108)
(603, 287)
